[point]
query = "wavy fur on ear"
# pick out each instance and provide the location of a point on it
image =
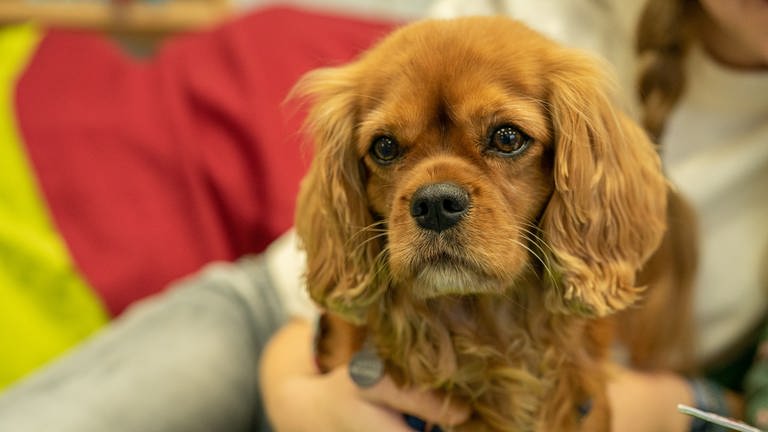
(607, 214)
(332, 219)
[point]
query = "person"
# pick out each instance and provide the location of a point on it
(641, 401)
(118, 175)
(702, 95)
(137, 209)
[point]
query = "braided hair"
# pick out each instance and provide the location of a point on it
(665, 32)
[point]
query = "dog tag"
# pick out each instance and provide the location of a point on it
(366, 368)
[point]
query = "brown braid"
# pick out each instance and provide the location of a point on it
(665, 31)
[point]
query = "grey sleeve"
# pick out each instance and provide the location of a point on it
(184, 360)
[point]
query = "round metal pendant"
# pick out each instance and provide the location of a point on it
(366, 368)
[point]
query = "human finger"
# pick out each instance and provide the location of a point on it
(427, 405)
(350, 411)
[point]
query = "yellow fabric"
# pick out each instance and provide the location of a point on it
(45, 306)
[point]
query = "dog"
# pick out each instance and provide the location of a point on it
(478, 209)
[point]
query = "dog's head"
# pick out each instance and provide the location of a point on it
(460, 157)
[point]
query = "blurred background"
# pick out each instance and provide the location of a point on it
(126, 166)
(122, 171)
(140, 24)
(169, 16)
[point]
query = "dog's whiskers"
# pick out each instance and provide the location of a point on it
(534, 231)
(511, 298)
(367, 230)
(542, 245)
(541, 258)
(359, 246)
(380, 265)
(378, 226)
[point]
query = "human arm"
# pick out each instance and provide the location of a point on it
(640, 401)
(180, 361)
(644, 402)
(647, 401)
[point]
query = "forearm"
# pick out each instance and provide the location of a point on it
(180, 361)
(286, 362)
(291, 384)
(647, 402)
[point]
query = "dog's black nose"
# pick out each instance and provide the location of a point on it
(439, 206)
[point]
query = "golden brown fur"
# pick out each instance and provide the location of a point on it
(504, 309)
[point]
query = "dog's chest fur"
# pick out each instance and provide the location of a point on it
(520, 368)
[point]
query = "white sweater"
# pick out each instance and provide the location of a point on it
(715, 150)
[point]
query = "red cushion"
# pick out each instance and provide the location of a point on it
(152, 169)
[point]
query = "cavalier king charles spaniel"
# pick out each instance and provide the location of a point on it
(477, 210)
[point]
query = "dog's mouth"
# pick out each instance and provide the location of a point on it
(444, 260)
(445, 273)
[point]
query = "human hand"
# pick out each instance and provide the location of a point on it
(647, 401)
(297, 398)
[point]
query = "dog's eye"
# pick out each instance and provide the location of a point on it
(384, 149)
(508, 141)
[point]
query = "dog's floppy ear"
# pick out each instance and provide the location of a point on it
(607, 213)
(332, 208)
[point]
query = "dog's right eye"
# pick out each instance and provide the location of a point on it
(384, 150)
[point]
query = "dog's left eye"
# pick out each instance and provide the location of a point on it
(508, 141)
(384, 149)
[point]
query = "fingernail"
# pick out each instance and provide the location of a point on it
(418, 424)
(415, 423)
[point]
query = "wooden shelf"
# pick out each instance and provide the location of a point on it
(129, 17)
